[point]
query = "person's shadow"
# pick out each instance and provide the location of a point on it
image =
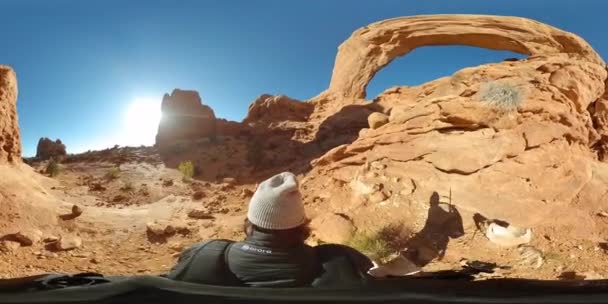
(442, 224)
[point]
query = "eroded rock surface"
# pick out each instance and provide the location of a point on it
(10, 138)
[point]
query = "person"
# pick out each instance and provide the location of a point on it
(274, 252)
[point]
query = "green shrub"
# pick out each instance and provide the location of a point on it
(113, 173)
(380, 245)
(371, 244)
(501, 95)
(52, 168)
(187, 170)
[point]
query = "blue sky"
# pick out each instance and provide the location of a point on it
(81, 63)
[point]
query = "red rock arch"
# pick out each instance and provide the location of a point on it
(372, 47)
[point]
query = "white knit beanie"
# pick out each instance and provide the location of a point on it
(277, 203)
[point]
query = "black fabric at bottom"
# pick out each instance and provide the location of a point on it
(147, 289)
(343, 267)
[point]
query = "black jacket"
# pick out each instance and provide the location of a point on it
(265, 260)
(262, 260)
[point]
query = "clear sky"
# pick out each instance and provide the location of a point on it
(88, 69)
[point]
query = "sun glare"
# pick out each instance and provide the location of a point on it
(141, 122)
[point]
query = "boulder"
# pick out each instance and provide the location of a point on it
(198, 195)
(48, 149)
(76, 210)
(156, 229)
(165, 228)
(184, 118)
(10, 138)
(332, 228)
(377, 120)
(176, 246)
(51, 239)
(200, 214)
(68, 242)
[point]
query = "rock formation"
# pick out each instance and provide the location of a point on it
(522, 141)
(517, 140)
(268, 109)
(47, 149)
(522, 158)
(372, 47)
(184, 117)
(10, 140)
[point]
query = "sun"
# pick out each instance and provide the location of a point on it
(141, 119)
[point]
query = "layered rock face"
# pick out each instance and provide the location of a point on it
(517, 140)
(47, 149)
(184, 117)
(10, 139)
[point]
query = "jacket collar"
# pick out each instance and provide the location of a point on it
(271, 240)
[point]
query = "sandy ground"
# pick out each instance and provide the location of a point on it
(117, 210)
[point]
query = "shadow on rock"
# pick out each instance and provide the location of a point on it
(68, 216)
(342, 128)
(268, 151)
(156, 238)
(442, 224)
(570, 275)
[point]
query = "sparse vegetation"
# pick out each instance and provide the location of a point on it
(501, 95)
(113, 173)
(383, 243)
(187, 170)
(52, 168)
(371, 244)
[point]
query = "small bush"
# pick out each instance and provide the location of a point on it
(187, 170)
(371, 244)
(113, 173)
(52, 168)
(380, 245)
(501, 95)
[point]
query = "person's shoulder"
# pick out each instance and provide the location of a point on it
(205, 244)
(200, 244)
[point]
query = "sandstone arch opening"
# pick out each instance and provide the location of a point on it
(372, 47)
(426, 64)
